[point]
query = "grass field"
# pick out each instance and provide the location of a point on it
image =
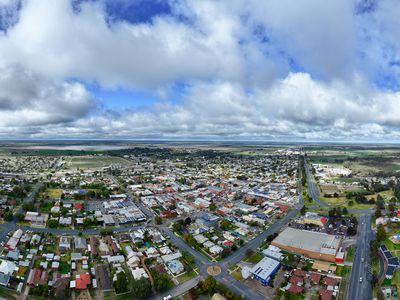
(187, 276)
(343, 202)
(54, 193)
(94, 162)
(255, 258)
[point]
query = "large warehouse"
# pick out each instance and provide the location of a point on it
(315, 245)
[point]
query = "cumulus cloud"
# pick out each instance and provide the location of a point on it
(28, 99)
(251, 69)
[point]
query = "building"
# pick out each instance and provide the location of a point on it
(311, 218)
(65, 244)
(264, 270)
(176, 267)
(208, 220)
(314, 245)
(80, 244)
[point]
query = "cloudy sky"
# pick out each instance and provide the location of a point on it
(189, 69)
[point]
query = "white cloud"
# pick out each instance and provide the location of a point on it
(247, 66)
(28, 99)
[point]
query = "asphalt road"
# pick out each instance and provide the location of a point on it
(357, 290)
(360, 284)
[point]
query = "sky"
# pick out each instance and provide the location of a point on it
(186, 69)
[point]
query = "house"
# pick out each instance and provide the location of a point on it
(13, 255)
(296, 280)
(80, 244)
(60, 287)
(175, 266)
(4, 279)
(82, 281)
(139, 273)
(215, 250)
(64, 244)
(325, 294)
(315, 278)
(207, 220)
(7, 267)
(295, 289)
(37, 277)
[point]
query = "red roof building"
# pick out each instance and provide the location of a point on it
(325, 294)
(78, 206)
(329, 281)
(315, 278)
(82, 281)
(296, 280)
(295, 289)
(300, 273)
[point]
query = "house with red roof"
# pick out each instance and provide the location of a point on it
(295, 289)
(330, 282)
(300, 273)
(315, 278)
(325, 294)
(296, 280)
(79, 206)
(82, 281)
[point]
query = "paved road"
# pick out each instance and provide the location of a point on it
(360, 284)
(357, 290)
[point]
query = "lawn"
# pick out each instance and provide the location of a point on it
(343, 202)
(342, 270)
(350, 254)
(54, 193)
(255, 258)
(94, 162)
(186, 276)
(6, 294)
(237, 275)
(64, 268)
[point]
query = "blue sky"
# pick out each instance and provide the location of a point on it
(229, 69)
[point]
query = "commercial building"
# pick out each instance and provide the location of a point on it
(311, 218)
(265, 269)
(315, 245)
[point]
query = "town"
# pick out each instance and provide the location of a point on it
(185, 222)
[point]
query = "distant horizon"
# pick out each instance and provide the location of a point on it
(194, 141)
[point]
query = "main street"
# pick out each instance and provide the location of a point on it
(360, 284)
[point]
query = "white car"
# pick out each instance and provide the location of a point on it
(360, 279)
(168, 297)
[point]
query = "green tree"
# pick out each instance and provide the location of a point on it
(209, 285)
(19, 217)
(303, 210)
(213, 207)
(52, 223)
(87, 222)
(162, 282)
(8, 215)
(141, 288)
(378, 212)
(158, 220)
(121, 285)
(380, 233)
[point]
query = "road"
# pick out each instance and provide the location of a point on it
(357, 290)
(362, 269)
